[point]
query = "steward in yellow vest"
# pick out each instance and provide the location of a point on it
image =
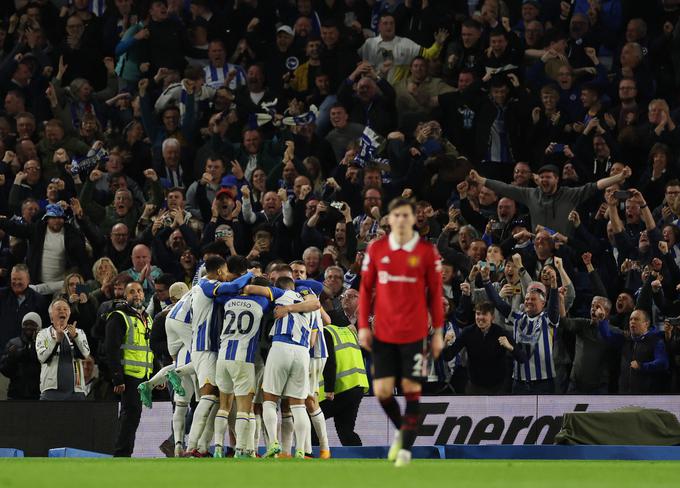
(130, 360)
(344, 382)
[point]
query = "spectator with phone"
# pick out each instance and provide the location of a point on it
(60, 348)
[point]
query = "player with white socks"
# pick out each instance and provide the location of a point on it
(318, 355)
(235, 373)
(208, 298)
(286, 372)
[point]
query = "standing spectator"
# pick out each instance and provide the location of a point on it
(16, 301)
(532, 332)
(19, 361)
(130, 361)
(486, 344)
(549, 204)
(644, 361)
(60, 348)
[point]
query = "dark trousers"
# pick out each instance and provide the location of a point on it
(344, 410)
(128, 421)
(533, 387)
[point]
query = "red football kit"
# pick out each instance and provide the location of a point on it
(407, 281)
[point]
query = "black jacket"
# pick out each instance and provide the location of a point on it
(486, 357)
(76, 256)
(22, 368)
(115, 337)
(11, 313)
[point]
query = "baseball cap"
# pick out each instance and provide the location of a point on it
(537, 287)
(178, 290)
(54, 210)
(229, 181)
(532, 2)
(285, 28)
(224, 192)
(32, 317)
(549, 168)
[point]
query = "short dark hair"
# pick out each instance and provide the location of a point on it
(165, 279)
(260, 281)
(497, 32)
(472, 24)
(237, 264)
(485, 307)
(278, 267)
(401, 202)
(296, 262)
(217, 247)
(285, 282)
(213, 263)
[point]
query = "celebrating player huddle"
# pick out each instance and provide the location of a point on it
(214, 333)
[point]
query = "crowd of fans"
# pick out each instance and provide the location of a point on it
(539, 138)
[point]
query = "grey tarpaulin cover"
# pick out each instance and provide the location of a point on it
(627, 426)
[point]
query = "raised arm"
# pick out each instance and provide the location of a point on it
(493, 295)
(517, 193)
(231, 287)
(617, 179)
(610, 334)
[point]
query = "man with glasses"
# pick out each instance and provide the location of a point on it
(372, 199)
(664, 214)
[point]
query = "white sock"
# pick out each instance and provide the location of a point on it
(301, 425)
(220, 426)
(286, 433)
(260, 431)
(185, 370)
(250, 437)
(319, 423)
(200, 417)
(242, 430)
(179, 417)
(208, 429)
(270, 420)
(159, 378)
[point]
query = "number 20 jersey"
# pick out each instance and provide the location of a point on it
(241, 327)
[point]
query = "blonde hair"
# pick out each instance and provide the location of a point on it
(98, 263)
(68, 277)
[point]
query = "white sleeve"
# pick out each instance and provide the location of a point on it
(288, 215)
(247, 209)
(81, 342)
(44, 345)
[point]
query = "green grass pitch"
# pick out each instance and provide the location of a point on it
(189, 473)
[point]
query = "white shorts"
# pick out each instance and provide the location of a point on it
(316, 366)
(237, 377)
(204, 365)
(259, 374)
(189, 381)
(179, 334)
(287, 371)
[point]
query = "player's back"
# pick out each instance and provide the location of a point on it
(405, 279)
(207, 313)
(241, 327)
(294, 328)
(178, 325)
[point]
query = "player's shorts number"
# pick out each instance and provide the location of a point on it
(244, 322)
(418, 364)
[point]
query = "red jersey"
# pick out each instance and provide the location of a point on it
(407, 281)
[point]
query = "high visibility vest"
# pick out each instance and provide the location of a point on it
(350, 368)
(137, 358)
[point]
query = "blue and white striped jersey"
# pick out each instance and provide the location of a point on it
(178, 325)
(240, 336)
(214, 77)
(182, 309)
(207, 308)
(319, 349)
(294, 328)
(536, 336)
